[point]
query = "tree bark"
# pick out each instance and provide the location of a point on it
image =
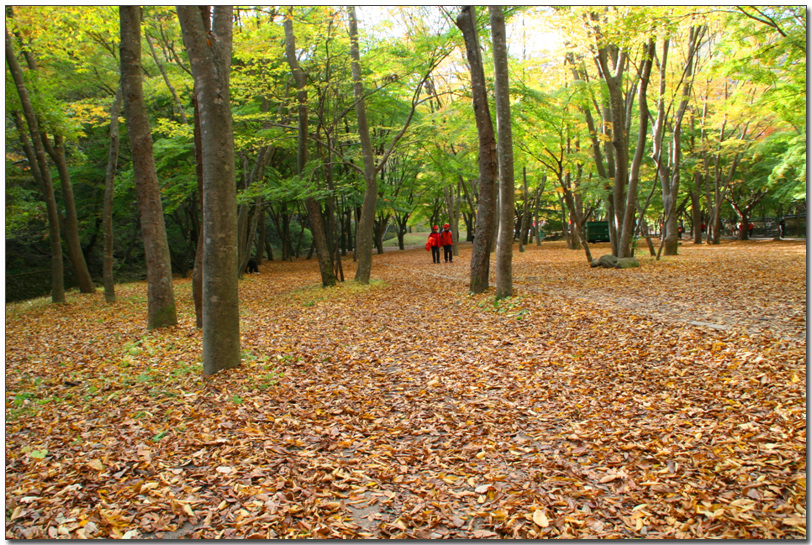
(366, 224)
(40, 165)
(69, 227)
(197, 274)
(160, 293)
(504, 133)
(209, 51)
(325, 257)
(624, 248)
(175, 99)
(525, 216)
(71, 222)
(488, 162)
(620, 140)
(107, 213)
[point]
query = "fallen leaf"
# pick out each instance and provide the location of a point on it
(540, 518)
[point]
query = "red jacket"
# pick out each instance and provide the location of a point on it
(434, 239)
(446, 238)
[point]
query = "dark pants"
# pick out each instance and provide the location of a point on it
(447, 254)
(435, 254)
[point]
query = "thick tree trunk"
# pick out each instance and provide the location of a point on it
(160, 292)
(107, 214)
(488, 163)
(209, 51)
(504, 132)
(620, 141)
(39, 165)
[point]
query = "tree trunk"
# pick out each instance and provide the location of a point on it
(71, 223)
(620, 141)
(160, 293)
(504, 133)
(107, 214)
(488, 163)
(380, 230)
(159, 64)
(260, 250)
(366, 224)
(197, 274)
(39, 165)
(525, 219)
(630, 208)
(209, 51)
(696, 213)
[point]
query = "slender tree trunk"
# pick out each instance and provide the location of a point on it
(366, 224)
(107, 214)
(504, 132)
(625, 248)
(40, 165)
(71, 223)
(197, 274)
(325, 257)
(175, 99)
(620, 140)
(536, 205)
(209, 51)
(525, 219)
(69, 227)
(696, 215)
(488, 162)
(160, 292)
(260, 250)
(455, 221)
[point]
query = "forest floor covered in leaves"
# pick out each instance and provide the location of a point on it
(667, 401)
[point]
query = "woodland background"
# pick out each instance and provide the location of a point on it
(727, 85)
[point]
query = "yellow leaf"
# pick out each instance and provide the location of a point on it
(540, 518)
(96, 464)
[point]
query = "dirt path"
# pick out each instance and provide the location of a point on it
(710, 303)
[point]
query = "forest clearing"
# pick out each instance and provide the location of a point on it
(665, 401)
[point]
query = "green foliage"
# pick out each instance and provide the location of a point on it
(752, 69)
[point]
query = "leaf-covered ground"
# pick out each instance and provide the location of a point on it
(667, 401)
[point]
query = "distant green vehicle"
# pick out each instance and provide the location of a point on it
(597, 231)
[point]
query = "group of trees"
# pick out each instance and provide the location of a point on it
(313, 125)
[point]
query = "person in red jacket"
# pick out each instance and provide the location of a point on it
(447, 241)
(434, 244)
